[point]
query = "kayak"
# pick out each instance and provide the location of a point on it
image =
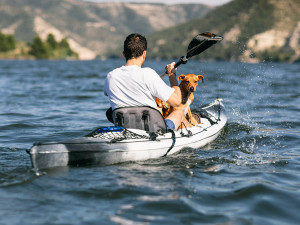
(115, 144)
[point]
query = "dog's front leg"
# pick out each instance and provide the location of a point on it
(191, 118)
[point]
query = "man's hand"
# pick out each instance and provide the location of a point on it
(170, 68)
(171, 71)
(175, 99)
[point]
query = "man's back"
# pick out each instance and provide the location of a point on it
(135, 86)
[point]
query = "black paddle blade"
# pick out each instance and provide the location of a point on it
(199, 44)
(202, 42)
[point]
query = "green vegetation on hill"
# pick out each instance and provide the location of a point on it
(7, 42)
(251, 17)
(38, 49)
(284, 54)
(256, 30)
(242, 20)
(51, 49)
(98, 27)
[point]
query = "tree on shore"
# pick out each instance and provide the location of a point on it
(39, 49)
(51, 49)
(7, 42)
(51, 41)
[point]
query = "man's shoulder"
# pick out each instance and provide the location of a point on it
(148, 69)
(149, 72)
(116, 70)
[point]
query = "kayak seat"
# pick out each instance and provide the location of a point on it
(139, 117)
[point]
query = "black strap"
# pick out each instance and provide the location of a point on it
(173, 142)
(145, 119)
(120, 119)
(189, 133)
(109, 115)
(219, 114)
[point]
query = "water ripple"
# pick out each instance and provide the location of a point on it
(249, 175)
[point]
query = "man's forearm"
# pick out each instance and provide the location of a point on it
(175, 99)
(174, 84)
(173, 80)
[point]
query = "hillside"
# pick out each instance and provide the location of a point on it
(255, 30)
(91, 28)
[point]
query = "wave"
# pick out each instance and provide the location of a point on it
(16, 167)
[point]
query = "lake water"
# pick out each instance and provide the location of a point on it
(249, 175)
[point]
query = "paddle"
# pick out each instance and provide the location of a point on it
(198, 44)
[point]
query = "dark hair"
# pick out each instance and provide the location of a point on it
(134, 46)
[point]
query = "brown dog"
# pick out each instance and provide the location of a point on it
(187, 86)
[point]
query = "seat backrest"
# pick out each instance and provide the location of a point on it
(139, 117)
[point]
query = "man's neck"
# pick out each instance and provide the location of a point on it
(135, 62)
(139, 61)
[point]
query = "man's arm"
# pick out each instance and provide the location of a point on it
(175, 98)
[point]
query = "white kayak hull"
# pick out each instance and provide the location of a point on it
(106, 151)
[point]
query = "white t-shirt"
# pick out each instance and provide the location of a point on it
(135, 86)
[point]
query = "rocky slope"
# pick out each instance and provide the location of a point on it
(91, 28)
(253, 31)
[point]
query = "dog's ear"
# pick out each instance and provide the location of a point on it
(201, 78)
(181, 77)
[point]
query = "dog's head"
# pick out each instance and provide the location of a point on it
(189, 82)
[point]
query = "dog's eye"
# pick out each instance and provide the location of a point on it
(196, 82)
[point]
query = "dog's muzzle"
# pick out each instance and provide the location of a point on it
(192, 89)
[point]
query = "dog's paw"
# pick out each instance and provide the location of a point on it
(194, 122)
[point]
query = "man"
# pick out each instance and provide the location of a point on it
(132, 85)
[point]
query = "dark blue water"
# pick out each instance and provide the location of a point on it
(249, 175)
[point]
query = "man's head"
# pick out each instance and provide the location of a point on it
(134, 46)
